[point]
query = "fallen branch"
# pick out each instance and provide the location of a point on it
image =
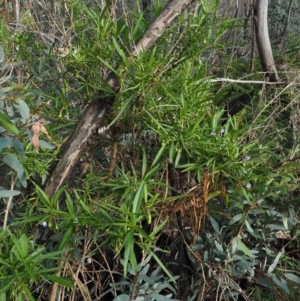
(240, 81)
(97, 108)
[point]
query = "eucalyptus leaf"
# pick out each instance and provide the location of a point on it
(244, 249)
(12, 161)
(8, 193)
(214, 224)
(122, 297)
(281, 283)
(23, 109)
(236, 218)
(46, 144)
(292, 277)
(275, 262)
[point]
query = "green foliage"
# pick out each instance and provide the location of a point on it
(140, 286)
(167, 112)
(22, 266)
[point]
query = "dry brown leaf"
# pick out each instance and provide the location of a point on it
(38, 127)
(35, 138)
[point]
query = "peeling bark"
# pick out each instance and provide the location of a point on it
(263, 40)
(97, 109)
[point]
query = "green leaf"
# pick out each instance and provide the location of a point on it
(68, 234)
(281, 283)
(178, 156)
(214, 224)
(158, 229)
(108, 66)
(122, 297)
(138, 198)
(42, 196)
(121, 52)
(60, 280)
(2, 295)
(275, 262)
(213, 195)
(6, 285)
(2, 56)
(8, 193)
(159, 154)
(8, 125)
(69, 203)
(23, 109)
(162, 265)
(290, 164)
(58, 195)
(245, 249)
(86, 208)
(292, 277)
(120, 112)
(12, 161)
(9, 141)
(171, 152)
(16, 143)
(45, 144)
(5, 142)
(136, 28)
(159, 297)
(27, 292)
(236, 218)
(249, 227)
(144, 165)
(23, 242)
(129, 246)
(151, 173)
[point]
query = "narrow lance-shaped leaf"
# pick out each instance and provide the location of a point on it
(159, 154)
(144, 165)
(138, 199)
(244, 248)
(128, 245)
(7, 124)
(275, 262)
(68, 234)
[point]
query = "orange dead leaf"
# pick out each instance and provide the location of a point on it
(38, 127)
(35, 138)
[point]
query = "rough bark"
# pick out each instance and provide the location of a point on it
(263, 40)
(97, 109)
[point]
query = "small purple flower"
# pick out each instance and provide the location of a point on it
(247, 158)
(44, 224)
(213, 133)
(222, 131)
(14, 54)
(155, 249)
(248, 185)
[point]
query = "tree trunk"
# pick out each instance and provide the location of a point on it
(263, 40)
(97, 109)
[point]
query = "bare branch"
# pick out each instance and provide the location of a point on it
(240, 81)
